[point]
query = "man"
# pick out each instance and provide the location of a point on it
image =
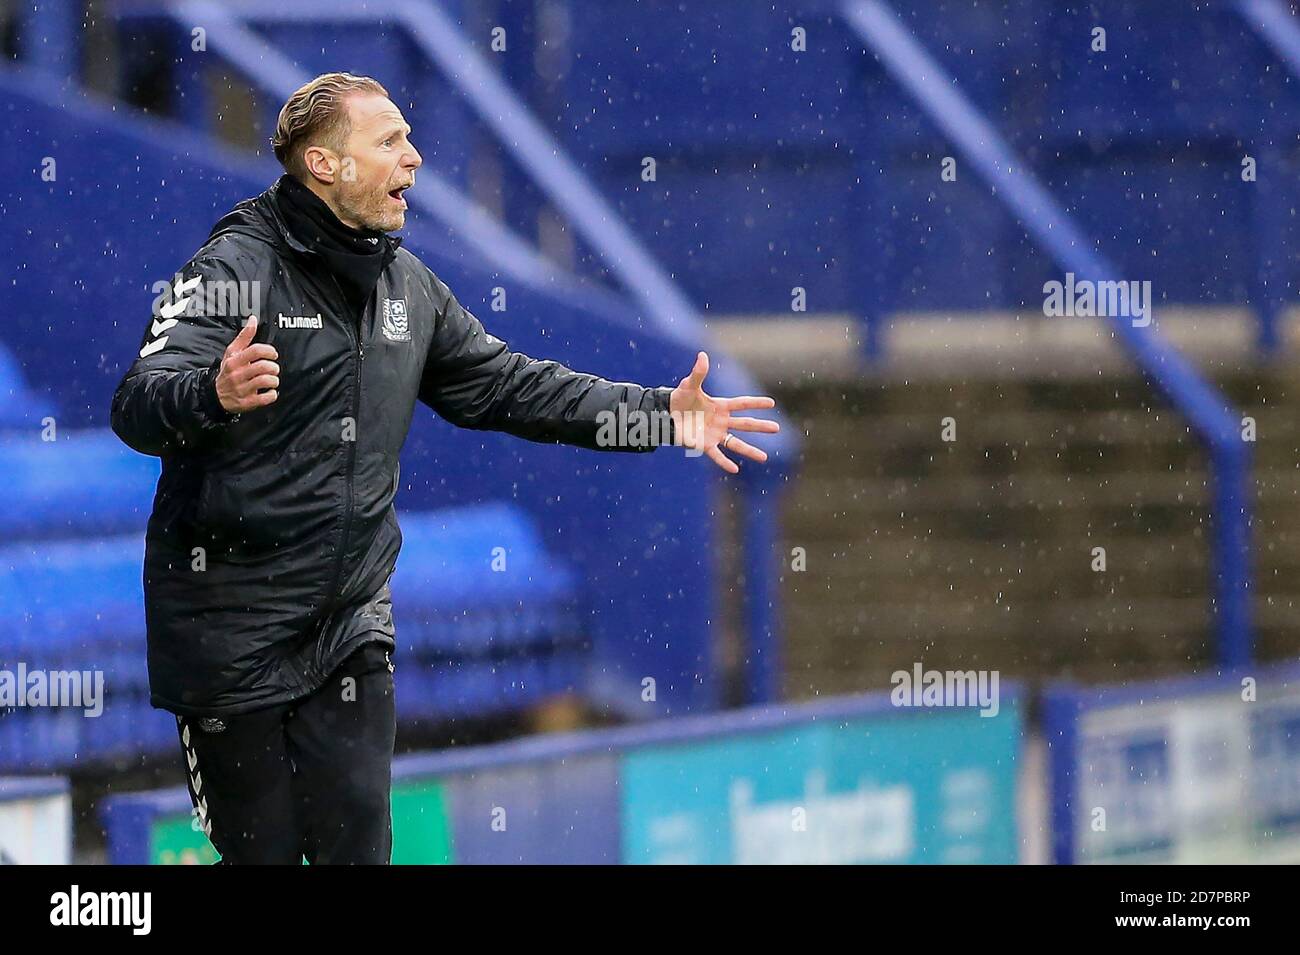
(273, 533)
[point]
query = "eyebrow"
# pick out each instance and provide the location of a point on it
(404, 128)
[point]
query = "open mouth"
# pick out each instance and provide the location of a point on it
(397, 195)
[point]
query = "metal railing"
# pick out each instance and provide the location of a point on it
(1214, 421)
(1273, 23)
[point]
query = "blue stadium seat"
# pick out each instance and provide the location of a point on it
(20, 407)
(477, 578)
(84, 484)
(480, 630)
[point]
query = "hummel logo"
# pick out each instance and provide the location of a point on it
(301, 321)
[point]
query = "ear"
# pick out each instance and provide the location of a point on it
(321, 163)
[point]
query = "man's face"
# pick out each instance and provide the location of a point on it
(379, 163)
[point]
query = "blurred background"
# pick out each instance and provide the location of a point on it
(857, 206)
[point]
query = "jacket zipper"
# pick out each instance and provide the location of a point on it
(337, 581)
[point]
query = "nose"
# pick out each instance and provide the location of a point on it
(413, 160)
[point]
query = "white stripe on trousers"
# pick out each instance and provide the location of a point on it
(196, 779)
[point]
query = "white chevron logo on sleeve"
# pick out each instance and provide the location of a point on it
(156, 345)
(168, 314)
(179, 298)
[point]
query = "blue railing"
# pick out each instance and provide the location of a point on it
(1212, 418)
(275, 74)
(1275, 25)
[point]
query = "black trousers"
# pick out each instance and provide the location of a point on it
(308, 778)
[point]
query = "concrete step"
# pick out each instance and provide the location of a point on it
(978, 551)
(865, 571)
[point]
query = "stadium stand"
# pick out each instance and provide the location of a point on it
(797, 202)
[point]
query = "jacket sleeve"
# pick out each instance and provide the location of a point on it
(168, 399)
(472, 379)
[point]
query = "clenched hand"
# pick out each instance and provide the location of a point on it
(246, 369)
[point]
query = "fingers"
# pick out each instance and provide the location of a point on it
(250, 376)
(244, 349)
(255, 369)
(737, 446)
(251, 379)
(253, 354)
(696, 378)
(259, 351)
(264, 381)
(747, 403)
(245, 396)
(245, 336)
(721, 460)
(754, 424)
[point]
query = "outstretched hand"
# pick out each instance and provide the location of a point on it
(705, 423)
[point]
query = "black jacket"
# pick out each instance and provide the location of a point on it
(273, 534)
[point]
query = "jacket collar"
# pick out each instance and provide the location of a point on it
(269, 204)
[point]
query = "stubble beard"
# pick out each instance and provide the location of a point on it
(369, 210)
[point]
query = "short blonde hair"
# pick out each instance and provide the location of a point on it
(316, 115)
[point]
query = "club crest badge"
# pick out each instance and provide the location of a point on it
(396, 327)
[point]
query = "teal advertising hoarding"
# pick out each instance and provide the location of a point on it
(899, 787)
(848, 780)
